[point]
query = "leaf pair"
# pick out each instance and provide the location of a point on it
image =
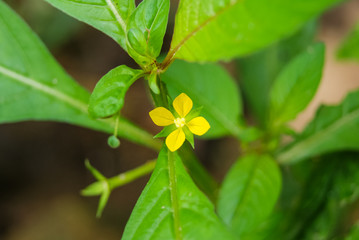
(139, 31)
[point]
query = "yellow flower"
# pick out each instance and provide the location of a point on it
(181, 121)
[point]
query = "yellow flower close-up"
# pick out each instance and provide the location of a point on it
(182, 106)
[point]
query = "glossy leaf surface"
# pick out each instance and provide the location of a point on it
(108, 16)
(171, 207)
(146, 29)
(249, 193)
(223, 29)
(109, 94)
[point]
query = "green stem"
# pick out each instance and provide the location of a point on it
(131, 175)
(173, 189)
(116, 124)
(131, 132)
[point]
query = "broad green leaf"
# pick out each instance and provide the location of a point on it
(349, 49)
(296, 85)
(258, 71)
(223, 29)
(213, 88)
(331, 130)
(249, 193)
(108, 96)
(34, 87)
(146, 29)
(201, 177)
(108, 16)
(171, 207)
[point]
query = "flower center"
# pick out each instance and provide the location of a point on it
(180, 122)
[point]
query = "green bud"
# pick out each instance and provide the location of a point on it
(113, 141)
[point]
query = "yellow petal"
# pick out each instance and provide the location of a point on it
(182, 104)
(198, 126)
(162, 117)
(175, 140)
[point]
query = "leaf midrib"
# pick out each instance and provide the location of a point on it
(43, 88)
(175, 49)
(247, 185)
(118, 17)
(299, 148)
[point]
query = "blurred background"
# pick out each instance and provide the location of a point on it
(42, 163)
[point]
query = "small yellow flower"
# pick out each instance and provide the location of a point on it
(181, 121)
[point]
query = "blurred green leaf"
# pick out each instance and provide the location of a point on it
(223, 29)
(296, 85)
(323, 208)
(171, 207)
(34, 87)
(210, 86)
(349, 48)
(258, 71)
(108, 96)
(108, 16)
(332, 129)
(354, 233)
(249, 193)
(146, 29)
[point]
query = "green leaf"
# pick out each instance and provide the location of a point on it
(108, 96)
(146, 29)
(108, 16)
(349, 48)
(213, 88)
(201, 177)
(223, 29)
(258, 71)
(249, 193)
(325, 204)
(331, 130)
(34, 87)
(171, 207)
(296, 85)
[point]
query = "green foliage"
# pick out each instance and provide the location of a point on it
(258, 71)
(30, 78)
(296, 85)
(108, 16)
(278, 84)
(211, 87)
(146, 29)
(354, 233)
(349, 48)
(108, 96)
(238, 27)
(172, 207)
(322, 210)
(331, 130)
(249, 193)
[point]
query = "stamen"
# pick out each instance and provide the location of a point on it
(180, 122)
